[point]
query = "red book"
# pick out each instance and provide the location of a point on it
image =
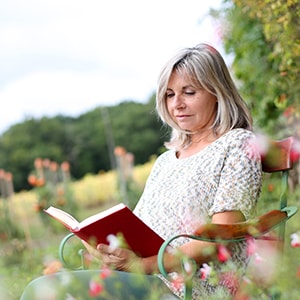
(116, 220)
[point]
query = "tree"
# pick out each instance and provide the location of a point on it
(82, 141)
(136, 127)
(264, 37)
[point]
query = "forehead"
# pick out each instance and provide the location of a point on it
(181, 77)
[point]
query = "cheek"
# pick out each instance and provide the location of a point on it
(208, 106)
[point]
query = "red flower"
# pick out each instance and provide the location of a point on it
(65, 166)
(289, 111)
(223, 253)
(95, 288)
(119, 151)
(32, 180)
(295, 152)
(40, 182)
(271, 187)
(52, 267)
(106, 272)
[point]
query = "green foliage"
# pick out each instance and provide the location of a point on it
(264, 38)
(22, 143)
(136, 128)
(8, 228)
(52, 186)
(87, 142)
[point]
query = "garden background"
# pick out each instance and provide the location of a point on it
(104, 156)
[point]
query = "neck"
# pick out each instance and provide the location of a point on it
(198, 142)
(206, 136)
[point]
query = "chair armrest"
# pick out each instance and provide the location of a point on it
(242, 230)
(290, 210)
(61, 252)
(232, 232)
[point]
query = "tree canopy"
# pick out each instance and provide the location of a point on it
(86, 142)
(264, 38)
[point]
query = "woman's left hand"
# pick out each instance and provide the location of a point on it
(120, 258)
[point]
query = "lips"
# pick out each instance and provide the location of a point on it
(181, 117)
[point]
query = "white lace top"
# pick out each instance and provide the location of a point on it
(181, 194)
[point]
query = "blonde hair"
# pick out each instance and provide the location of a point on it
(206, 68)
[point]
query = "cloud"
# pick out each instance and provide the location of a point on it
(70, 56)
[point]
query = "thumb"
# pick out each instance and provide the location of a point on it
(91, 250)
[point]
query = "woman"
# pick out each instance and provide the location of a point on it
(208, 174)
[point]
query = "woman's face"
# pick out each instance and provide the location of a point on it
(193, 109)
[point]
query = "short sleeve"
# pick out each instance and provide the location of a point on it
(240, 178)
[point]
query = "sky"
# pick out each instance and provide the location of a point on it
(71, 56)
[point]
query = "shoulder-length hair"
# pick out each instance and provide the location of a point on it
(206, 68)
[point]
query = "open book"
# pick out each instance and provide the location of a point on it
(116, 220)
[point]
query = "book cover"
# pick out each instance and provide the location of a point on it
(118, 219)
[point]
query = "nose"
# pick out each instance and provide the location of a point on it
(178, 102)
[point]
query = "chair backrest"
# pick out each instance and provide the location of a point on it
(278, 159)
(278, 156)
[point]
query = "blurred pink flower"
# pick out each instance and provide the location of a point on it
(205, 271)
(295, 240)
(258, 145)
(258, 258)
(223, 253)
(251, 247)
(230, 280)
(52, 267)
(177, 282)
(106, 272)
(263, 265)
(95, 288)
(295, 151)
(114, 241)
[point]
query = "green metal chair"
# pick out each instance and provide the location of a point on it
(277, 159)
(118, 285)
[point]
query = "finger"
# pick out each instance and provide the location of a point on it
(87, 246)
(92, 250)
(106, 260)
(104, 249)
(111, 261)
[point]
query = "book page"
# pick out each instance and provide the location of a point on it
(101, 215)
(63, 217)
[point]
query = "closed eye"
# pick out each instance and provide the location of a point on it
(190, 93)
(170, 95)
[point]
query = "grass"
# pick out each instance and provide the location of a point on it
(22, 260)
